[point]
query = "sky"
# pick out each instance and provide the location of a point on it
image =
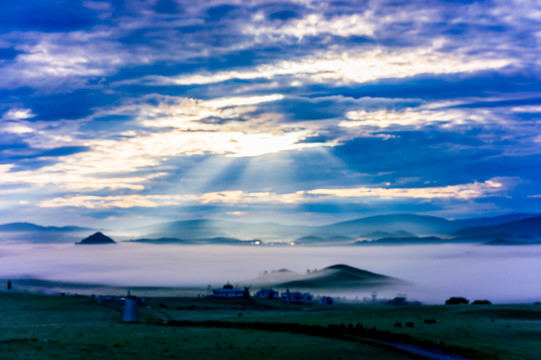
(115, 113)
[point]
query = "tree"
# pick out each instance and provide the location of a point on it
(481, 302)
(457, 301)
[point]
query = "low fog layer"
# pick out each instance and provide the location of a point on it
(436, 272)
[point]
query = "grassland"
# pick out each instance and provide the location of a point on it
(80, 327)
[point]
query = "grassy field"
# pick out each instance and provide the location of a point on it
(73, 327)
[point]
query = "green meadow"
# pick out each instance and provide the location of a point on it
(80, 327)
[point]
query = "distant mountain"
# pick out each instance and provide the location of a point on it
(161, 241)
(336, 276)
(417, 224)
(492, 221)
(328, 240)
(527, 229)
(385, 234)
(207, 229)
(224, 241)
(215, 241)
(26, 227)
(411, 227)
(504, 242)
(31, 233)
(404, 241)
(97, 239)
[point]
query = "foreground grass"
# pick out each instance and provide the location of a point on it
(52, 327)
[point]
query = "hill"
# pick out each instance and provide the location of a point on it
(404, 241)
(386, 234)
(96, 239)
(208, 229)
(409, 227)
(504, 242)
(335, 276)
(211, 241)
(525, 230)
(417, 224)
(20, 232)
(25, 227)
(161, 241)
(328, 240)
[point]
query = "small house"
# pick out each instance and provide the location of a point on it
(267, 294)
(326, 300)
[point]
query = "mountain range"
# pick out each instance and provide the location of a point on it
(394, 228)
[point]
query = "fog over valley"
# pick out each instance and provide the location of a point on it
(433, 272)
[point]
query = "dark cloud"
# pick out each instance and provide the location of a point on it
(8, 53)
(283, 15)
(437, 87)
(50, 16)
(23, 153)
(220, 12)
(72, 105)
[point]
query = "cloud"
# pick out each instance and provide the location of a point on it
(238, 197)
(295, 102)
(347, 67)
(312, 25)
(461, 192)
(17, 114)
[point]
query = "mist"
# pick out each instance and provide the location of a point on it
(505, 274)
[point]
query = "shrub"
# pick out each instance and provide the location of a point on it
(481, 302)
(457, 301)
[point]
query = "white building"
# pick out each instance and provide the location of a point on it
(229, 292)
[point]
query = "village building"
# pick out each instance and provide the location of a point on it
(326, 300)
(229, 292)
(267, 294)
(297, 297)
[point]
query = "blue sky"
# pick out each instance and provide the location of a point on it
(139, 111)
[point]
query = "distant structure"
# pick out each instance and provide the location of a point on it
(130, 309)
(267, 294)
(9, 286)
(229, 292)
(297, 297)
(326, 300)
(399, 300)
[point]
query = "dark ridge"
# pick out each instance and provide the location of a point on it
(24, 226)
(403, 241)
(504, 242)
(527, 228)
(96, 239)
(162, 241)
(340, 275)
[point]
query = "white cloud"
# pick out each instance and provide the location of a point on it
(18, 114)
(348, 67)
(462, 192)
(312, 25)
(416, 117)
(51, 60)
(137, 155)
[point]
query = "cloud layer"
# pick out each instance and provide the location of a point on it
(319, 110)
